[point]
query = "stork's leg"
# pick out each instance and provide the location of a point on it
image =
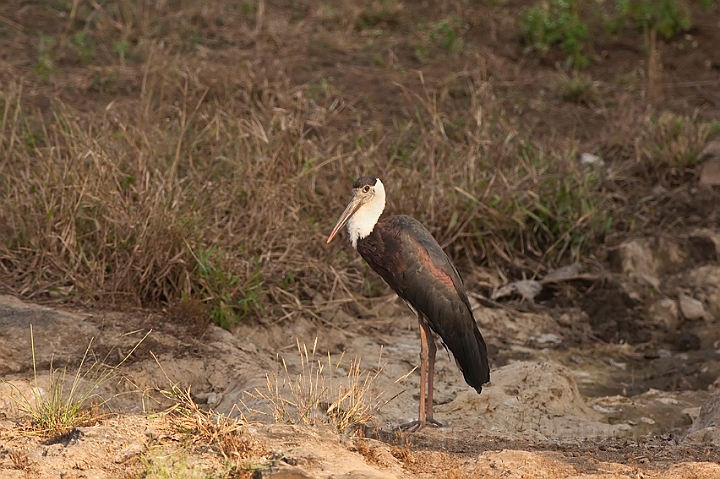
(424, 350)
(413, 426)
(432, 349)
(427, 370)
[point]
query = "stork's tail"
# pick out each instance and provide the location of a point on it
(475, 368)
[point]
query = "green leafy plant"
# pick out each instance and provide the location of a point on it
(230, 301)
(669, 17)
(45, 64)
(446, 35)
(83, 46)
(579, 89)
(121, 48)
(555, 22)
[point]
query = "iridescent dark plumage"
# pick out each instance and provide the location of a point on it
(405, 254)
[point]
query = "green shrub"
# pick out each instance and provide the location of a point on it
(668, 17)
(555, 22)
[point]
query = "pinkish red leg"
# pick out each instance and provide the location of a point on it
(427, 371)
(432, 350)
(423, 373)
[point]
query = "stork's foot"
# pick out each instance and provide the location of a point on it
(415, 426)
(432, 422)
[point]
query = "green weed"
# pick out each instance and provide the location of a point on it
(169, 463)
(445, 34)
(83, 46)
(669, 17)
(172, 463)
(230, 301)
(121, 48)
(45, 64)
(556, 22)
(671, 145)
(421, 53)
(579, 89)
(70, 401)
(248, 8)
(568, 214)
(164, 464)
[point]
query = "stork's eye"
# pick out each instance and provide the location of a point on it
(366, 189)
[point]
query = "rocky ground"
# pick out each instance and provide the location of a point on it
(601, 375)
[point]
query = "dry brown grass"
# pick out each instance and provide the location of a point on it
(402, 454)
(152, 152)
(202, 429)
(19, 459)
(325, 390)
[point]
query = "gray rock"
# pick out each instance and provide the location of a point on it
(573, 317)
(710, 170)
(588, 159)
(665, 314)
(647, 258)
(692, 309)
(707, 436)
(706, 280)
(131, 451)
(59, 336)
(706, 427)
(289, 472)
(364, 475)
(526, 289)
(97, 432)
(565, 272)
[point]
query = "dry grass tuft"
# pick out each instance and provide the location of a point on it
(19, 459)
(323, 391)
(202, 429)
(207, 428)
(367, 451)
(70, 401)
(403, 454)
(669, 146)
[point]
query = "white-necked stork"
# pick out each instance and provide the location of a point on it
(402, 251)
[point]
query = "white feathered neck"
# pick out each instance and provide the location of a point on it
(366, 217)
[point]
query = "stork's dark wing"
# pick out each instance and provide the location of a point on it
(430, 283)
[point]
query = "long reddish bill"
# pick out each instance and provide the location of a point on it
(349, 211)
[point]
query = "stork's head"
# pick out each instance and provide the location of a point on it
(364, 210)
